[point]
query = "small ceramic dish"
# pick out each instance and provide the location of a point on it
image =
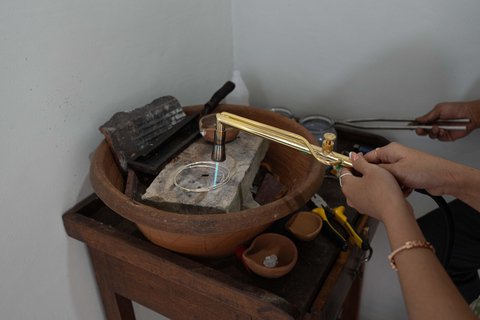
(271, 255)
(305, 225)
(207, 128)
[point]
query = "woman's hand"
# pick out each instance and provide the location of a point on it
(415, 169)
(447, 111)
(372, 190)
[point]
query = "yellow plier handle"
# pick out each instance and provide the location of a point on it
(342, 219)
(329, 231)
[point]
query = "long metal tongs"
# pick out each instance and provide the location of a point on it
(410, 126)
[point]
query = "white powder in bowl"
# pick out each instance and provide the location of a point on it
(270, 261)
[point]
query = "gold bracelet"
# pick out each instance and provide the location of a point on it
(409, 245)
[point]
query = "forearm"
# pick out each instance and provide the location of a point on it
(428, 291)
(464, 184)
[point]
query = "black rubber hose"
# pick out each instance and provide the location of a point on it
(450, 230)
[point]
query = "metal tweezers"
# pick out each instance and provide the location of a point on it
(410, 126)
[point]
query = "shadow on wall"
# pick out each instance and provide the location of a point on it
(83, 287)
(86, 299)
(86, 188)
(474, 92)
(401, 81)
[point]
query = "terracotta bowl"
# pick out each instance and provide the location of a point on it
(259, 255)
(207, 129)
(305, 225)
(215, 235)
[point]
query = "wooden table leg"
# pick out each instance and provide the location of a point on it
(116, 306)
(351, 305)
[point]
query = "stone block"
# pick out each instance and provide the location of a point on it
(244, 155)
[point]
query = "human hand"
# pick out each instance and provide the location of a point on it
(415, 169)
(372, 190)
(447, 111)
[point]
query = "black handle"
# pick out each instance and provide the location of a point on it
(449, 223)
(218, 96)
(365, 244)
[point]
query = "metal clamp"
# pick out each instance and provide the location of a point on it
(410, 126)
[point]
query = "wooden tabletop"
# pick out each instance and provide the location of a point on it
(129, 267)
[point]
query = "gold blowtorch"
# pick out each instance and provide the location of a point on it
(324, 154)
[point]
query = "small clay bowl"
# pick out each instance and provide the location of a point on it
(207, 128)
(305, 225)
(266, 245)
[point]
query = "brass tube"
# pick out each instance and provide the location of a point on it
(218, 153)
(281, 136)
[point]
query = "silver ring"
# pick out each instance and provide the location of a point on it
(343, 175)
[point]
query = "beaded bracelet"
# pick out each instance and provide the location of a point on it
(409, 245)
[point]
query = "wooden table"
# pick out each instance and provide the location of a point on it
(130, 268)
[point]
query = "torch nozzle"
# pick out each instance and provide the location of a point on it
(218, 152)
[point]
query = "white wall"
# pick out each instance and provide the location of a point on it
(357, 59)
(66, 67)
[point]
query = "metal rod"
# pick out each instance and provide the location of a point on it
(218, 153)
(351, 123)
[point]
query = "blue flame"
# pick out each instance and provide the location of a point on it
(216, 173)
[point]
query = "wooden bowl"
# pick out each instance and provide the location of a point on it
(261, 250)
(207, 129)
(305, 225)
(215, 235)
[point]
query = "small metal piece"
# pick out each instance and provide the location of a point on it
(365, 232)
(328, 142)
(357, 273)
(217, 175)
(218, 152)
(343, 175)
(319, 201)
(369, 256)
(352, 123)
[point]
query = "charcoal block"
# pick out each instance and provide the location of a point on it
(128, 132)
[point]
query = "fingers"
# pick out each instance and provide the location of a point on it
(444, 111)
(436, 133)
(347, 171)
(429, 117)
(374, 156)
(344, 173)
(421, 132)
(342, 176)
(391, 153)
(360, 165)
(359, 162)
(406, 191)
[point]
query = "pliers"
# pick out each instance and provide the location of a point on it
(338, 214)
